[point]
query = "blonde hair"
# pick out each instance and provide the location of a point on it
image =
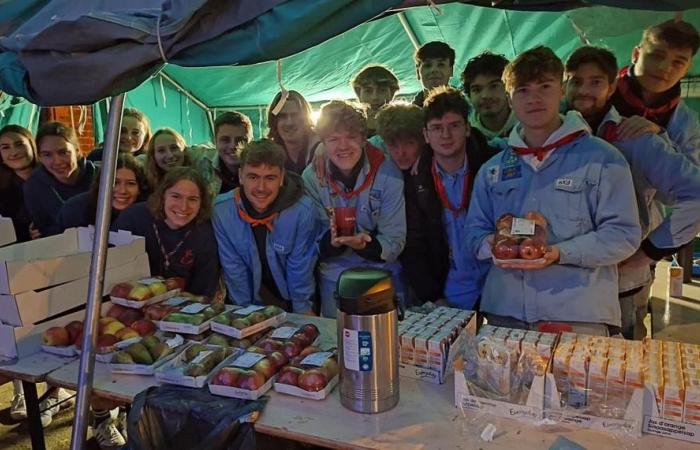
(154, 174)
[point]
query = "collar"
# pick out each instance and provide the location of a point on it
(505, 129)
(572, 123)
(254, 219)
(459, 173)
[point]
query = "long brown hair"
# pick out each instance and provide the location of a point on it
(171, 178)
(6, 174)
(304, 107)
(154, 174)
(124, 161)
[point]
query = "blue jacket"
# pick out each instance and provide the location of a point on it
(684, 132)
(291, 252)
(658, 171)
(44, 195)
(585, 191)
(380, 212)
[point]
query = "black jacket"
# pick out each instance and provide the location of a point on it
(425, 258)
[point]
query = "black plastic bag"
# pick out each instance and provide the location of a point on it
(175, 417)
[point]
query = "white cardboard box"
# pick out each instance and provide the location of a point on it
(7, 231)
(58, 259)
(32, 306)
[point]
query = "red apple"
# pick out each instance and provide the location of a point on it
(121, 290)
(505, 223)
(289, 375)
(79, 340)
(270, 345)
(505, 249)
(74, 328)
(529, 249)
(538, 218)
(227, 376)
(278, 359)
(106, 342)
(255, 349)
(313, 380)
(115, 311)
(250, 380)
(144, 327)
(57, 337)
(130, 316)
(302, 339)
(291, 349)
(265, 368)
(311, 331)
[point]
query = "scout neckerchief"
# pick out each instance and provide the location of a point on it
(166, 254)
(539, 152)
(375, 158)
(624, 87)
(265, 221)
(608, 132)
(442, 194)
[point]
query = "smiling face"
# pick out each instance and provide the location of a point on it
(536, 103)
(261, 184)
(488, 95)
(229, 139)
(181, 204)
(447, 135)
(16, 151)
(434, 72)
(588, 89)
(59, 157)
(658, 66)
(126, 189)
(344, 149)
(133, 133)
(291, 124)
(168, 153)
(404, 152)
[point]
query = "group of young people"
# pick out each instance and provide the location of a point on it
(607, 159)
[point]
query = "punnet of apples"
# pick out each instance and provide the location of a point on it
(148, 351)
(311, 372)
(146, 288)
(242, 322)
(159, 311)
(520, 238)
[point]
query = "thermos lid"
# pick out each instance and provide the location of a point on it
(365, 291)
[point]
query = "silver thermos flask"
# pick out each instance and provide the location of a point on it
(368, 340)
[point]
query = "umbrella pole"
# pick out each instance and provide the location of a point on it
(97, 269)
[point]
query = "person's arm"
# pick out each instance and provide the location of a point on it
(391, 223)
(301, 262)
(480, 223)
(35, 207)
(204, 279)
(616, 233)
(236, 275)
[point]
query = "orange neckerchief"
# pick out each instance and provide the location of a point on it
(539, 152)
(442, 193)
(265, 221)
(375, 158)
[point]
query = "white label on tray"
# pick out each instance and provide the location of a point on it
(175, 341)
(317, 359)
(200, 356)
(247, 360)
(150, 281)
(247, 310)
(351, 351)
(284, 332)
(524, 227)
(194, 308)
(174, 301)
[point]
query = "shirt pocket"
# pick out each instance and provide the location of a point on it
(506, 198)
(571, 206)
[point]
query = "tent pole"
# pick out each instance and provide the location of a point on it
(97, 269)
(409, 31)
(187, 93)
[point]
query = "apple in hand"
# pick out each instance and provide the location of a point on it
(289, 375)
(250, 380)
(74, 328)
(265, 368)
(313, 380)
(505, 249)
(529, 249)
(56, 337)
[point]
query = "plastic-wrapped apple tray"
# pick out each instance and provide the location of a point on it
(143, 369)
(230, 391)
(274, 321)
(518, 261)
(106, 357)
(299, 392)
(172, 372)
(138, 304)
(186, 328)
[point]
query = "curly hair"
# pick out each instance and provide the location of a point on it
(444, 99)
(532, 65)
(400, 121)
(157, 199)
(485, 63)
(342, 115)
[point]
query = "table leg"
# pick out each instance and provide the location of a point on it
(36, 431)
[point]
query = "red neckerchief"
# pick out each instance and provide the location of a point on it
(375, 158)
(265, 221)
(609, 132)
(541, 151)
(625, 89)
(442, 193)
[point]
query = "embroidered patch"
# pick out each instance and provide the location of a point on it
(563, 182)
(278, 247)
(493, 173)
(510, 173)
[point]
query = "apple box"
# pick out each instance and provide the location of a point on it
(186, 328)
(230, 391)
(7, 231)
(52, 260)
(299, 392)
(32, 306)
(140, 304)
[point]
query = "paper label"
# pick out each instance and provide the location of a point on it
(247, 360)
(175, 341)
(174, 301)
(247, 310)
(194, 308)
(351, 351)
(200, 356)
(284, 332)
(316, 359)
(524, 227)
(150, 281)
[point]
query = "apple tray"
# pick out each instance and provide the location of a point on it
(518, 261)
(230, 391)
(172, 371)
(107, 356)
(299, 392)
(136, 304)
(143, 369)
(186, 328)
(274, 321)
(68, 350)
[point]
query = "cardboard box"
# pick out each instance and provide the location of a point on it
(33, 306)
(53, 260)
(7, 231)
(299, 392)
